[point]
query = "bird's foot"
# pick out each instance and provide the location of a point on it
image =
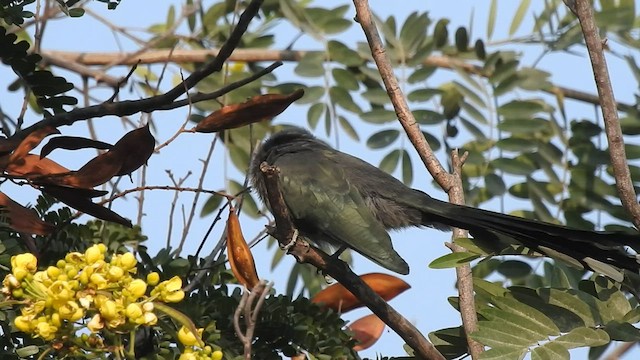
(291, 243)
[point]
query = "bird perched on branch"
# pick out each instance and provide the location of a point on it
(337, 199)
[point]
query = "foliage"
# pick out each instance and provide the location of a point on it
(523, 141)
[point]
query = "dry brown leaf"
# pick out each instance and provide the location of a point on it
(31, 165)
(73, 198)
(256, 109)
(31, 141)
(72, 143)
(96, 171)
(135, 147)
(240, 257)
(366, 331)
(338, 298)
(22, 219)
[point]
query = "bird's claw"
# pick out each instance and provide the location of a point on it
(291, 243)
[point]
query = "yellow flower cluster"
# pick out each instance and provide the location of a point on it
(191, 351)
(85, 287)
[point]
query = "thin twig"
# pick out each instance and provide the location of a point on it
(249, 308)
(451, 183)
(583, 10)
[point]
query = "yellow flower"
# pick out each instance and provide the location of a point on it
(187, 355)
(115, 273)
(98, 280)
(128, 261)
(150, 318)
(23, 323)
(170, 290)
(108, 310)
(26, 261)
(133, 311)
(96, 324)
(217, 355)
(71, 311)
(153, 278)
(135, 290)
(94, 254)
(46, 330)
(187, 338)
(53, 272)
(60, 290)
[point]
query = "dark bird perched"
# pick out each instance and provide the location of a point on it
(338, 199)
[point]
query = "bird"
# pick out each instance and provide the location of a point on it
(339, 201)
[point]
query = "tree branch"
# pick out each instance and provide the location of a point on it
(583, 10)
(339, 270)
(130, 107)
(451, 183)
(256, 55)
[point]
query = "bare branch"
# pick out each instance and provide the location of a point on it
(583, 10)
(249, 308)
(257, 55)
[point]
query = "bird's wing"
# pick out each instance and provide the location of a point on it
(319, 196)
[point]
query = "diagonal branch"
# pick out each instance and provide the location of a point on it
(583, 10)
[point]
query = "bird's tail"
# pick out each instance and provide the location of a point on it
(600, 251)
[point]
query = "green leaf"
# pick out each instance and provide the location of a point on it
(315, 113)
(25, 352)
(488, 288)
(470, 244)
(390, 161)
(378, 116)
(343, 54)
(550, 351)
(345, 78)
(422, 95)
(517, 144)
(514, 269)
(537, 319)
(519, 16)
(491, 21)
(516, 166)
(376, 96)
(524, 125)
(453, 260)
(348, 129)
(211, 205)
(311, 65)
(583, 336)
(427, 117)
(495, 185)
(500, 335)
(382, 138)
(462, 39)
(522, 109)
(503, 354)
(421, 74)
(441, 33)
(343, 98)
(407, 169)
